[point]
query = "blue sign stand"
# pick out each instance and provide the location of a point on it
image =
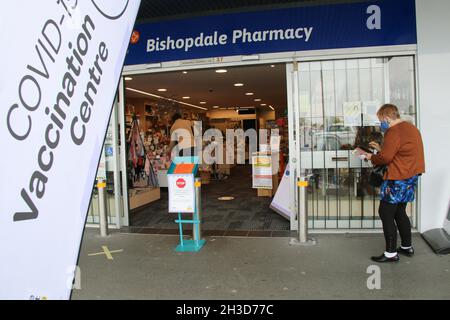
(196, 244)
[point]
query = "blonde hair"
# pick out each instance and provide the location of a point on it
(389, 110)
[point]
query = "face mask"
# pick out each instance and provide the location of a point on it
(384, 126)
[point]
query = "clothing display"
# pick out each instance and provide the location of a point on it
(136, 157)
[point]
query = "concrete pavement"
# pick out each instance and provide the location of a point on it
(255, 268)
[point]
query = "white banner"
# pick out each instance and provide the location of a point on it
(280, 202)
(60, 65)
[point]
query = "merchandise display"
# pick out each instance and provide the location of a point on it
(148, 128)
(226, 140)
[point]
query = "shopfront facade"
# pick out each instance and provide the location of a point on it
(342, 62)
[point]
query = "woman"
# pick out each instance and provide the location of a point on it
(403, 154)
(182, 137)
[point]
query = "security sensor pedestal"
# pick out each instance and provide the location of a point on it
(303, 238)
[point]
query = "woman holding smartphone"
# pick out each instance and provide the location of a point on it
(402, 152)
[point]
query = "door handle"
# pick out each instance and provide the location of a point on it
(339, 159)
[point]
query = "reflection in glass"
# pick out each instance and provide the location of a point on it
(338, 104)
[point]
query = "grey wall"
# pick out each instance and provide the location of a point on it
(433, 26)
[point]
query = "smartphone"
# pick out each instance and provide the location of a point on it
(364, 148)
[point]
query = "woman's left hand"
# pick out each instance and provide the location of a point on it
(375, 145)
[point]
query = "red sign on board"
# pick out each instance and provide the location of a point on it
(181, 183)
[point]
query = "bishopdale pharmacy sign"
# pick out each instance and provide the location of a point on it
(320, 27)
(61, 62)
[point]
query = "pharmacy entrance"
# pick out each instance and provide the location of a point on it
(283, 69)
(235, 112)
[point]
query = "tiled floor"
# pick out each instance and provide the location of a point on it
(246, 213)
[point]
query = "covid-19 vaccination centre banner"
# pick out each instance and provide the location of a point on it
(60, 64)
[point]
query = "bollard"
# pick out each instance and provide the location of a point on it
(302, 212)
(101, 185)
(197, 233)
(302, 215)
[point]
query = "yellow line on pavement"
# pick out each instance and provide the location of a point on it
(106, 252)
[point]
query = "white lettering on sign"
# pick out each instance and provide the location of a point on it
(238, 36)
(245, 36)
(181, 183)
(374, 21)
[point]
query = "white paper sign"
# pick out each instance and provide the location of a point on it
(60, 66)
(181, 193)
(262, 171)
(275, 143)
(369, 109)
(352, 113)
(101, 171)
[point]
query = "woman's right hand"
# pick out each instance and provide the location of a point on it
(375, 145)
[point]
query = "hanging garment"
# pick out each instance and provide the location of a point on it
(152, 178)
(147, 166)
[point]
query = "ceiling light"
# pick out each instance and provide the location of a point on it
(272, 66)
(162, 90)
(164, 98)
(249, 94)
(184, 72)
(271, 108)
(128, 78)
(186, 97)
(202, 102)
(257, 100)
(238, 84)
(215, 107)
(263, 104)
(221, 71)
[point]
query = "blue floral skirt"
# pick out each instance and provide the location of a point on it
(399, 191)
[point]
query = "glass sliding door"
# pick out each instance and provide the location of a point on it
(110, 162)
(336, 109)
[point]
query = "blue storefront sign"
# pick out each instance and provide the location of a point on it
(366, 24)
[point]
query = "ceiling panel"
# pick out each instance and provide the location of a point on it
(266, 82)
(166, 9)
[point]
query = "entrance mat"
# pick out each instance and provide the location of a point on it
(215, 233)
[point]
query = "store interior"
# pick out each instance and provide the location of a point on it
(227, 98)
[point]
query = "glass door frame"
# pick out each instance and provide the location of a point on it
(288, 58)
(292, 80)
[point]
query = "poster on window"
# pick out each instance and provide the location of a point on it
(352, 114)
(181, 193)
(369, 109)
(262, 171)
